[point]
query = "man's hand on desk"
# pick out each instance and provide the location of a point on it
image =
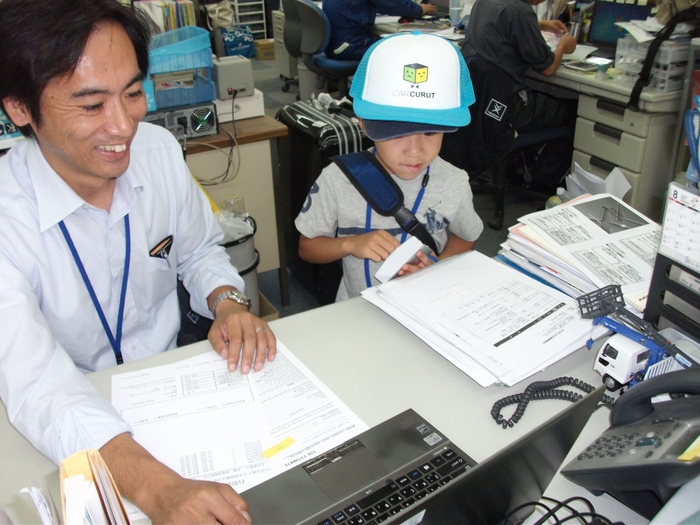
(235, 328)
(567, 44)
(163, 495)
(427, 8)
(553, 26)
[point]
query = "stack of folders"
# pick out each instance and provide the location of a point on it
(168, 15)
(585, 244)
(88, 492)
(494, 323)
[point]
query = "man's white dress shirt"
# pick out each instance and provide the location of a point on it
(50, 332)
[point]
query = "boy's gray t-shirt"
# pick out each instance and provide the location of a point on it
(335, 206)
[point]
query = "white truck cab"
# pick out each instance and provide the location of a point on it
(619, 359)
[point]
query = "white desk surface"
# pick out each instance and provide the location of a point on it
(378, 368)
(586, 83)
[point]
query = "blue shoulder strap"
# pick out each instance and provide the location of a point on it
(382, 193)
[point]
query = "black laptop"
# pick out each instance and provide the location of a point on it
(405, 469)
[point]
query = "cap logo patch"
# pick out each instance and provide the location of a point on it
(415, 74)
(496, 109)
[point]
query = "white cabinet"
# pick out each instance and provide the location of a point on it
(285, 64)
(252, 14)
(608, 135)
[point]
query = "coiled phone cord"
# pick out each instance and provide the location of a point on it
(542, 390)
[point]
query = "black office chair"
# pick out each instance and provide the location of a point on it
(291, 36)
(486, 148)
(316, 33)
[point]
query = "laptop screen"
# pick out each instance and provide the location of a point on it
(604, 33)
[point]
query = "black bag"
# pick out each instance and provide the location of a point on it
(315, 136)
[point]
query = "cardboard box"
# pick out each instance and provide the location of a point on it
(267, 311)
(265, 49)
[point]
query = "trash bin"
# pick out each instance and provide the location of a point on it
(308, 81)
(244, 256)
(314, 137)
(246, 259)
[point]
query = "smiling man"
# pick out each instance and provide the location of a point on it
(99, 217)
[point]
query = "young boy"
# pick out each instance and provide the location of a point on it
(408, 90)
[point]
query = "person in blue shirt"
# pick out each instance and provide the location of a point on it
(352, 20)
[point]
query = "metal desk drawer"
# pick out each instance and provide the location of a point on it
(621, 148)
(614, 115)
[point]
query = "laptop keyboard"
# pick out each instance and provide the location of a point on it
(402, 492)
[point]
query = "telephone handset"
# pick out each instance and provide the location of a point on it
(645, 455)
(636, 403)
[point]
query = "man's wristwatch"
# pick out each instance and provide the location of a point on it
(234, 295)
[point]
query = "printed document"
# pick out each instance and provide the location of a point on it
(207, 423)
(506, 322)
(606, 239)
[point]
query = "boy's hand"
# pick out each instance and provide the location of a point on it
(423, 261)
(376, 245)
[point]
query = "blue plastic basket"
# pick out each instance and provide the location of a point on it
(185, 48)
(202, 90)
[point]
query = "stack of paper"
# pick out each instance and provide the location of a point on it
(581, 182)
(586, 244)
(88, 492)
(494, 323)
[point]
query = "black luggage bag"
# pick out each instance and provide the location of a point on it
(315, 135)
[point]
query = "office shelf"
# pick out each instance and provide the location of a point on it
(252, 14)
(669, 67)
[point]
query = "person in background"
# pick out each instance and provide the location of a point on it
(508, 34)
(99, 217)
(405, 110)
(352, 20)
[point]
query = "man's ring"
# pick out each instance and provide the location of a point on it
(259, 328)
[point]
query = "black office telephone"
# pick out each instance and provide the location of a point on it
(637, 460)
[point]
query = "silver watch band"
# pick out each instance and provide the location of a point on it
(234, 295)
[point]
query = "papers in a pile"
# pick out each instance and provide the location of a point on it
(602, 238)
(88, 492)
(581, 182)
(494, 323)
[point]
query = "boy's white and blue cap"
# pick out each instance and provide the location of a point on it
(412, 83)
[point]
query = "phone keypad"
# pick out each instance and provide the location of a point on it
(650, 441)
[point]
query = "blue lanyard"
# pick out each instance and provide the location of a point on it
(115, 341)
(368, 220)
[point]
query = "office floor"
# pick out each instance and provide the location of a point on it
(268, 81)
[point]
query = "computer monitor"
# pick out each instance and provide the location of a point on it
(604, 33)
